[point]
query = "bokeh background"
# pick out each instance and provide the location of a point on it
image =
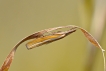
(20, 18)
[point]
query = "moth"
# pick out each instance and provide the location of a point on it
(46, 39)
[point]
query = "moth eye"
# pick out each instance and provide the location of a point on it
(42, 40)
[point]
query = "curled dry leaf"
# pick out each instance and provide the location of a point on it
(45, 37)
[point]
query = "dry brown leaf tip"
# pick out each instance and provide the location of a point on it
(7, 62)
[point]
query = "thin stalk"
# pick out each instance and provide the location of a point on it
(97, 28)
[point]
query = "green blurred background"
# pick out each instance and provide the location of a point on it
(20, 18)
